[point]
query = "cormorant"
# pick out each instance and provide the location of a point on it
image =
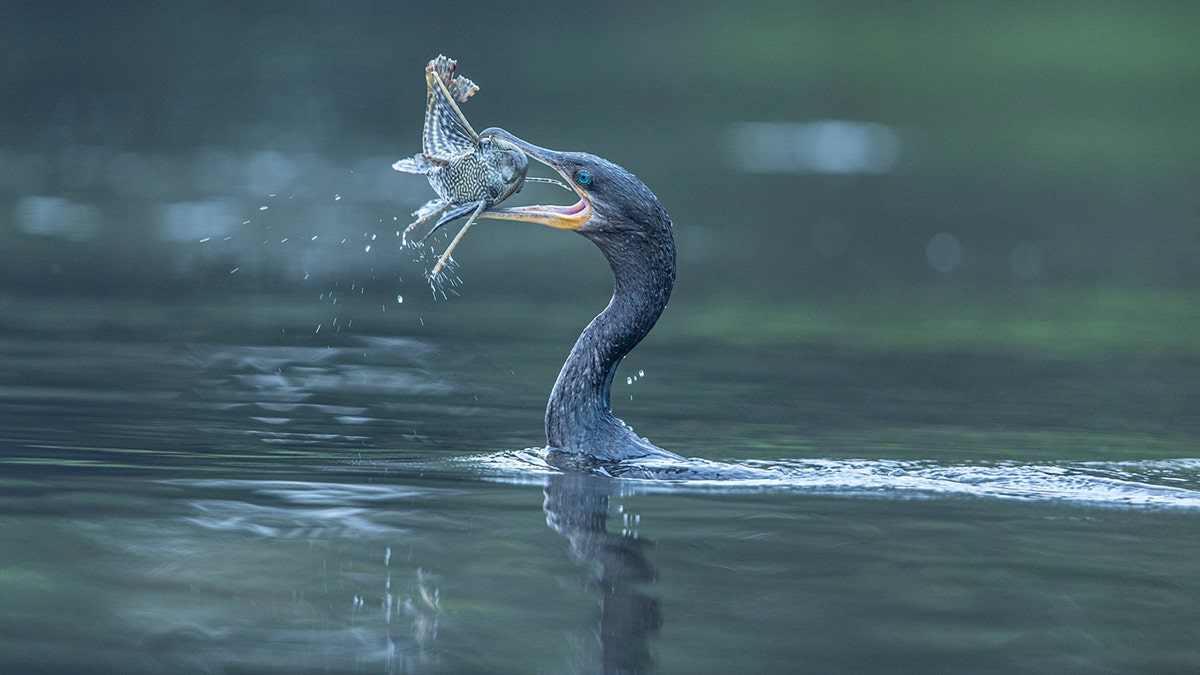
(623, 218)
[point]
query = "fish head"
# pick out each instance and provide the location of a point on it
(505, 166)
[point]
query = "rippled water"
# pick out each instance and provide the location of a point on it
(218, 487)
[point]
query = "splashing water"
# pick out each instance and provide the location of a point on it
(1170, 484)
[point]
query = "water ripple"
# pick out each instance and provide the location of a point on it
(286, 523)
(1172, 483)
(301, 509)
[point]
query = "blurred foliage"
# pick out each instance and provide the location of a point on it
(1068, 125)
(1068, 322)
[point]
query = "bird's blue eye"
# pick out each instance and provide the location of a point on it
(583, 177)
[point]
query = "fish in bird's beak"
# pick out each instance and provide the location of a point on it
(468, 173)
(570, 217)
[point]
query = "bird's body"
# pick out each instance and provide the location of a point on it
(579, 417)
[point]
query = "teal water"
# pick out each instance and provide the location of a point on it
(218, 487)
(937, 280)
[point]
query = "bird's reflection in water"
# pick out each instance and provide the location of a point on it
(577, 507)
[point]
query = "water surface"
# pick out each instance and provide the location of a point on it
(217, 486)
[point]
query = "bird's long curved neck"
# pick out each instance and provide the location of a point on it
(578, 416)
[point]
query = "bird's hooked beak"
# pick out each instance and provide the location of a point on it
(570, 217)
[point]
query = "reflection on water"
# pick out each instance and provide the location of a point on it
(297, 576)
(272, 575)
(428, 572)
(317, 395)
(577, 507)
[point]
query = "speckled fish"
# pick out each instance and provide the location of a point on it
(469, 175)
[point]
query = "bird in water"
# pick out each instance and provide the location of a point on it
(623, 218)
(472, 173)
(469, 173)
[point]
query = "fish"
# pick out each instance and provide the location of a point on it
(469, 174)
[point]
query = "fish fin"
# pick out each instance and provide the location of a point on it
(456, 211)
(418, 164)
(428, 210)
(460, 88)
(447, 132)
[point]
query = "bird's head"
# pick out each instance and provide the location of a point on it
(611, 200)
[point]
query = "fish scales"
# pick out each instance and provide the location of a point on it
(468, 174)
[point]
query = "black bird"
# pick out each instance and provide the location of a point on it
(621, 216)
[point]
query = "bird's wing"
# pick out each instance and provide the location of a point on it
(448, 134)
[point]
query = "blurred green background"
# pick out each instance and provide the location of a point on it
(802, 148)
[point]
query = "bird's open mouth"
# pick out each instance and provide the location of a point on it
(562, 217)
